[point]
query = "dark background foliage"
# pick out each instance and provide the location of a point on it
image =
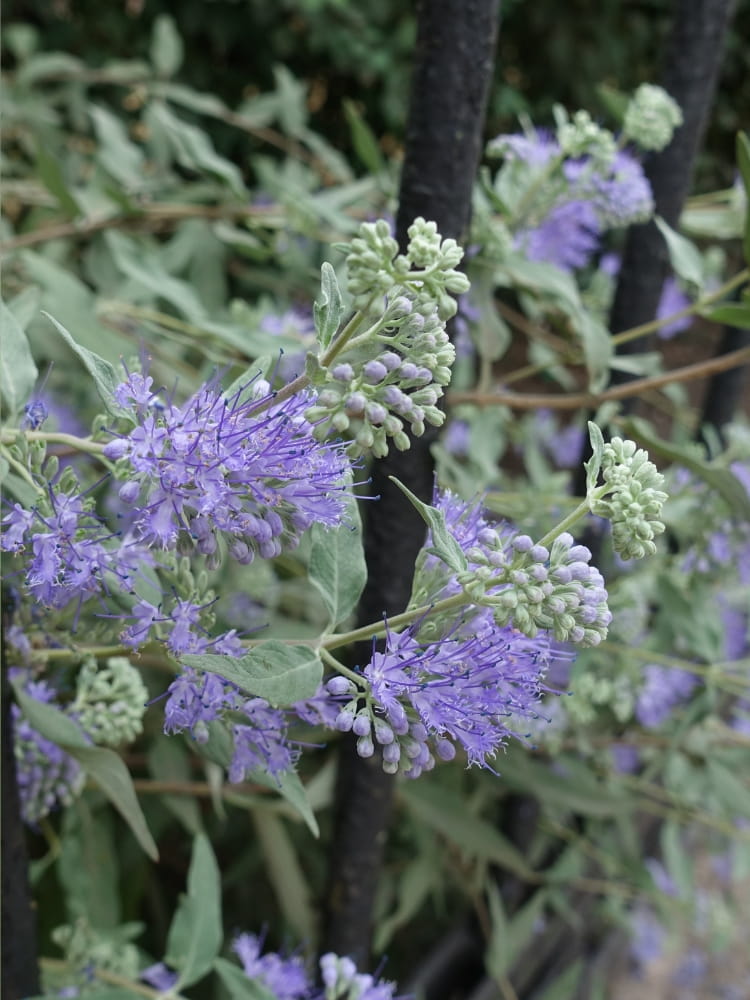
(362, 51)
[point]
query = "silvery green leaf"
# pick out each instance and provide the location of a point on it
(166, 46)
(196, 933)
(102, 372)
(337, 564)
(594, 464)
(684, 256)
(237, 984)
(18, 372)
(279, 672)
(444, 544)
(104, 766)
(328, 310)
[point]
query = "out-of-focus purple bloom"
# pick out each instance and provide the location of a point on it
(741, 717)
(242, 467)
(622, 195)
(286, 978)
(320, 710)
(159, 976)
(661, 877)
(664, 688)
(467, 314)
(34, 414)
(742, 471)
(735, 627)
(535, 149)
(625, 758)
(294, 325)
(564, 445)
(610, 264)
(647, 936)
(672, 300)
(568, 236)
(241, 611)
(17, 638)
(47, 776)
(457, 438)
(594, 200)
(691, 971)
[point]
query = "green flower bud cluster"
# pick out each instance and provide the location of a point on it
(110, 703)
(634, 504)
(394, 377)
(581, 136)
(428, 267)
(651, 117)
(87, 950)
(554, 589)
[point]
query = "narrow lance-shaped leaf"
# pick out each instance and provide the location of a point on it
(328, 310)
(238, 985)
(683, 255)
(594, 464)
(103, 766)
(337, 564)
(103, 373)
(445, 812)
(444, 544)
(196, 933)
(17, 369)
(166, 46)
(219, 749)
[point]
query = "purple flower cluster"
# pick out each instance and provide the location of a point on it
(180, 627)
(47, 776)
(469, 691)
(241, 467)
(545, 590)
(445, 683)
(196, 698)
(288, 978)
(568, 236)
(593, 198)
(71, 551)
(260, 733)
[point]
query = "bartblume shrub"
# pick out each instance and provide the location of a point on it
(189, 561)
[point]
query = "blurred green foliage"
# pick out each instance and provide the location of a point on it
(361, 51)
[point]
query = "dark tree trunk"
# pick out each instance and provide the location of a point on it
(453, 69)
(726, 389)
(692, 61)
(691, 69)
(20, 972)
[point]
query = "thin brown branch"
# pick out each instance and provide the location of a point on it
(578, 400)
(149, 217)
